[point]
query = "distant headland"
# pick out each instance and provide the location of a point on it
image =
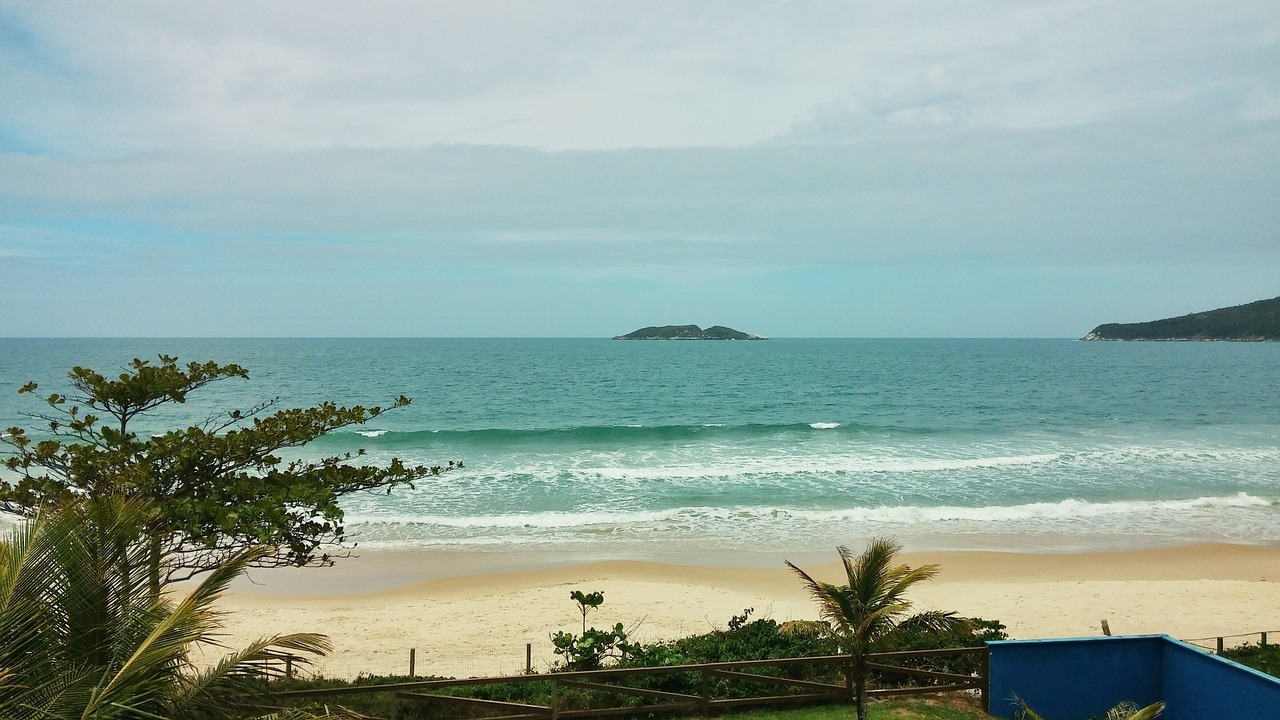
(1255, 322)
(688, 332)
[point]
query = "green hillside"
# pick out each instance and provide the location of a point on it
(1256, 321)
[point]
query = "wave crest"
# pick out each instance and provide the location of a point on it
(909, 515)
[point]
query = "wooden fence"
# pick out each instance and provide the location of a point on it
(1220, 640)
(613, 682)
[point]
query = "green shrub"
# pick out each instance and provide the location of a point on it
(755, 640)
(1259, 657)
(367, 704)
(742, 639)
(971, 632)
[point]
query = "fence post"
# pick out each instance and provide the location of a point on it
(706, 693)
(1264, 639)
(288, 666)
(984, 693)
(528, 658)
(413, 653)
(555, 703)
(395, 704)
(1219, 646)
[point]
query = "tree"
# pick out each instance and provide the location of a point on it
(872, 605)
(589, 650)
(83, 636)
(219, 486)
(586, 603)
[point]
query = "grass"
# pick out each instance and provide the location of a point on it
(952, 706)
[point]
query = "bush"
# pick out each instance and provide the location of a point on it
(756, 640)
(970, 632)
(743, 639)
(1259, 657)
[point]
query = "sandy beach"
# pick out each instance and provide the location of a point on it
(471, 614)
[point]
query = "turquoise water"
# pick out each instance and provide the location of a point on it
(640, 448)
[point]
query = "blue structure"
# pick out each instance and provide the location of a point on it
(1078, 678)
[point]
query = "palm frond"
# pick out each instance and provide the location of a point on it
(1022, 710)
(84, 633)
(159, 657)
(834, 606)
(933, 621)
(233, 683)
(1149, 712)
(1130, 711)
(24, 625)
(874, 599)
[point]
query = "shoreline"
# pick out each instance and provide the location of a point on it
(374, 572)
(470, 614)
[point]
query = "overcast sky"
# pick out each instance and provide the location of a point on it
(578, 169)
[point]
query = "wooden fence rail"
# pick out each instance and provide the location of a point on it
(612, 681)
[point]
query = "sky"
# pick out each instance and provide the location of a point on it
(983, 168)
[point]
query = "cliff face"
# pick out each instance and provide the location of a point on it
(1254, 322)
(687, 332)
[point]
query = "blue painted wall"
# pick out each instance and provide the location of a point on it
(1200, 685)
(1076, 678)
(1073, 679)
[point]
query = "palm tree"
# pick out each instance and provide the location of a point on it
(872, 605)
(83, 634)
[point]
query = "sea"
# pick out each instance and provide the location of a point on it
(653, 449)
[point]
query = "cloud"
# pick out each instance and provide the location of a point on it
(88, 79)
(1091, 194)
(272, 157)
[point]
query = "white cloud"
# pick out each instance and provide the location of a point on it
(515, 146)
(92, 78)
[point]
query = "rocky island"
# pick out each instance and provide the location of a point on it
(1255, 322)
(688, 332)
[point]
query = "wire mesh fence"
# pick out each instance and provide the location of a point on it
(1219, 643)
(400, 662)
(518, 659)
(416, 662)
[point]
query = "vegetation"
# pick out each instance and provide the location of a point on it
(949, 706)
(593, 647)
(742, 639)
(687, 332)
(873, 607)
(1255, 321)
(942, 707)
(1259, 657)
(114, 515)
(219, 487)
(82, 635)
(957, 632)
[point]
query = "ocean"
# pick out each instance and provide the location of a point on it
(646, 449)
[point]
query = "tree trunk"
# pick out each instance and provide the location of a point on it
(860, 683)
(153, 563)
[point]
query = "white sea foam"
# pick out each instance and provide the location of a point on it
(1065, 509)
(371, 433)
(544, 520)
(784, 464)
(824, 425)
(913, 517)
